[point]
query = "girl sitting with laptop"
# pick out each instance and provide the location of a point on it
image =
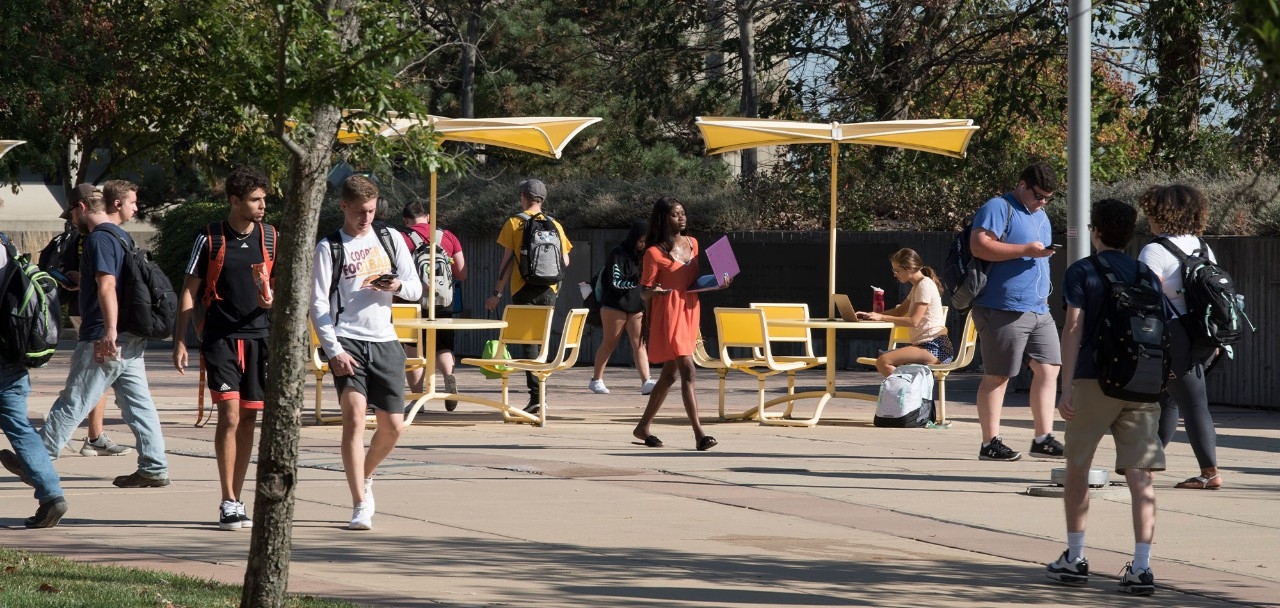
(921, 312)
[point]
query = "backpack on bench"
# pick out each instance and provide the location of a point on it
(906, 398)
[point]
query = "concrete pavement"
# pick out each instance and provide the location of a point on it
(475, 512)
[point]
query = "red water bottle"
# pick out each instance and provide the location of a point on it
(877, 299)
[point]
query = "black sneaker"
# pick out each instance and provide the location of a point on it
(1141, 582)
(997, 450)
(228, 516)
(138, 480)
(451, 387)
(533, 407)
(1049, 448)
(49, 513)
(1075, 574)
(14, 465)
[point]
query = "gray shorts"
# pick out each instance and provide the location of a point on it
(379, 373)
(1008, 337)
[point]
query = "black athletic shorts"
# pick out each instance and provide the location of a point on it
(236, 368)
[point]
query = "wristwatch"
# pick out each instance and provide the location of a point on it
(497, 294)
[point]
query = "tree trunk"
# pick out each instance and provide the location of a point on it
(1175, 117)
(469, 42)
(267, 575)
(750, 103)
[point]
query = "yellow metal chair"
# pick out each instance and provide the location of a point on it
(319, 367)
(793, 335)
(704, 360)
(530, 325)
(964, 356)
(746, 328)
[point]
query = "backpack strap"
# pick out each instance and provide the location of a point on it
(336, 256)
(1008, 222)
(385, 237)
(268, 244)
(214, 260)
(1164, 241)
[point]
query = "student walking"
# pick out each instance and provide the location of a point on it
(535, 244)
(358, 269)
(1177, 215)
(1090, 413)
(670, 266)
(417, 219)
(230, 270)
(103, 356)
(922, 312)
(28, 460)
(622, 308)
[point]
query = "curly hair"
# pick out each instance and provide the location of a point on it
(1177, 208)
(244, 180)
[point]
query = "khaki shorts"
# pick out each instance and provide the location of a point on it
(1133, 425)
(1008, 337)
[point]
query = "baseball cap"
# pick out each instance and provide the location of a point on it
(81, 192)
(533, 188)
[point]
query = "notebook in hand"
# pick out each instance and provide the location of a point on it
(724, 266)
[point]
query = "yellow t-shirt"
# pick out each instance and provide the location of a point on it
(512, 237)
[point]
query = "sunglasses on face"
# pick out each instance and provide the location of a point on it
(1044, 198)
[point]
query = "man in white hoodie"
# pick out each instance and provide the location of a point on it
(357, 271)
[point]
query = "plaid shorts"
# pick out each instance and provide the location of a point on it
(939, 347)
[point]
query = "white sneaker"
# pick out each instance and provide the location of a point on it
(648, 385)
(246, 522)
(228, 517)
(368, 492)
(598, 387)
(361, 517)
(103, 446)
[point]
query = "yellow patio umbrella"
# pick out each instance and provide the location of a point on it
(9, 144)
(541, 135)
(948, 137)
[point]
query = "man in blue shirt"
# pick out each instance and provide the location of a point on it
(1011, 313)
(1090, 414)
(104, 357)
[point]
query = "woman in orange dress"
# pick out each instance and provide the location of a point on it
(669, 267)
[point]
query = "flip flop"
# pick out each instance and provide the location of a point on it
(1198, 483)
(651, 441)
(707, 442)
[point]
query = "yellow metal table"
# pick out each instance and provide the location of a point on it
(427, 350)
(824, 396)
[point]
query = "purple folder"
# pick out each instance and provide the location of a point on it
(724, 266)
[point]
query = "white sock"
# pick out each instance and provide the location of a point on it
(1141, 556)
(985, 444)
(1075, 546)
(1042, 438)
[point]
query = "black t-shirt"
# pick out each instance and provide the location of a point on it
(235, 314)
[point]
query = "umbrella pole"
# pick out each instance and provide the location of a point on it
(430, 281)
(831, 260)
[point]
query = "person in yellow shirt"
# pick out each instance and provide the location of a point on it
(540, 257)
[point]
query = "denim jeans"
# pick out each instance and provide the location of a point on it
(87, 382)
(15, 385)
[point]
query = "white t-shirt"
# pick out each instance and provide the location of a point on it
(933, 323)
(366, 313)
(1168, 268)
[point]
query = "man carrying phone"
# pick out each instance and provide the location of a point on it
(233, 341)
(353, 323)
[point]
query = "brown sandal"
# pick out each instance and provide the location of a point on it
(1200, 483)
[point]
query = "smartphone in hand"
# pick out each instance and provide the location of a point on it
(380, 280)
(1055, 246)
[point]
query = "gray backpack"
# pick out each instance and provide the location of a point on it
(541, 255)
(906, 398)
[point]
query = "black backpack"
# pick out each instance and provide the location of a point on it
(54, 256)
(337, 256)
(1215, 312)
(1131, 344)
(964, 276)
(149, 306)
(541, 255)
(30, 318)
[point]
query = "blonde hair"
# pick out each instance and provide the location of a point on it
(909, 260)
